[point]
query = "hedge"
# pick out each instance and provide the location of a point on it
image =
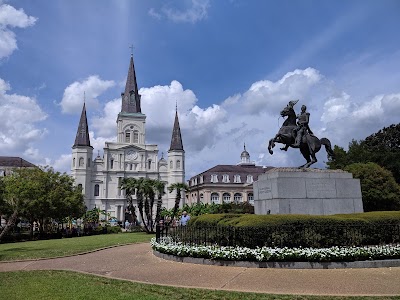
(252, 231)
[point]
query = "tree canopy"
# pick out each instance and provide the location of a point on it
(379, 189)
(41, 195)
(145, 191)
(382, 148)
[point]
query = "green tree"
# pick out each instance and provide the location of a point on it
(143, 189)
(179, 188)
(159, 187)
(379, 188)
(19, 188)
(41, 195)
(382, 148)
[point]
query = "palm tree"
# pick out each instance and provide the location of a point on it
(134, 186)
(148, 194)
(159, 186)
(179, 187)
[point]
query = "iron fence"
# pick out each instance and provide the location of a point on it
(315, 236)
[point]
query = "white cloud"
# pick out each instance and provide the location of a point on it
(215, 134)
(92, 87)
(11, 18)
(105, 125)
(63, 163)
(345, 119)
(196, 12)
(268, 96)
(19, 116)
(199, 126)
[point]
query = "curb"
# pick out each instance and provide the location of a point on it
(283, 265)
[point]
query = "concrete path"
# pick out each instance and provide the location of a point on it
(137, 263)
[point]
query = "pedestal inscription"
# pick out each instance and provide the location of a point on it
(307, 191)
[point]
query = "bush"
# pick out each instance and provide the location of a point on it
(197, 209)
(379, 188)
(294, 230)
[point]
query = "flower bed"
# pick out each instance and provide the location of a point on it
(264, 254)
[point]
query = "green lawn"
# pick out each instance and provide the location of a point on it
(67, 246)
(69, 285)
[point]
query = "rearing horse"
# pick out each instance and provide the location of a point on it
(309, 144)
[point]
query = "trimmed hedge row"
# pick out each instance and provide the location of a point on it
(295, 230)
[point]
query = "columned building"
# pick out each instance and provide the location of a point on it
(226, 183)
(129, 156)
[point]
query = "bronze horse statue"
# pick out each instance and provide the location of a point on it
(309, 144)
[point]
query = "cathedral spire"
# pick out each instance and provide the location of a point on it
(176, 140)
(131, 97)
(82, 134)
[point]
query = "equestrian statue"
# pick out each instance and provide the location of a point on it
(296, 133)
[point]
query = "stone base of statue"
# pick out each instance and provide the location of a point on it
(307, 191)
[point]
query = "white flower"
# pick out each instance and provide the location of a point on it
(166, 245)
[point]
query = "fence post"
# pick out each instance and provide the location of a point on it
(158, 233)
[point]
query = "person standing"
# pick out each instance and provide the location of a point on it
(184, 219)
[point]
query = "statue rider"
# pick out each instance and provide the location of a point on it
(302, 125)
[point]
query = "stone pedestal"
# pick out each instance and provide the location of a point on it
(307, 191)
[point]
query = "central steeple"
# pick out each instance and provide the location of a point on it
(131, 97)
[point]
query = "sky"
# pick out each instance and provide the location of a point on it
(230, 67)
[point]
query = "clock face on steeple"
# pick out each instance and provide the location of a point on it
(131, 155)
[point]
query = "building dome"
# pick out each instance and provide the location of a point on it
(244, 156)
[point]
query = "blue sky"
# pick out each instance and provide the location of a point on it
(231, 65)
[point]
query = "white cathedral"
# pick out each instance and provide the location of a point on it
(130, 156)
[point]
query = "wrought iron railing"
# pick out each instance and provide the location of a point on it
(316, 236)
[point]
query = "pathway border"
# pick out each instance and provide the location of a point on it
(282, 265)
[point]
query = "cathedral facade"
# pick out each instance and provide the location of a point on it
(130, 156)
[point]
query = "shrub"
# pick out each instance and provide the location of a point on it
(197, 209)
(379, 188)
(294, 230)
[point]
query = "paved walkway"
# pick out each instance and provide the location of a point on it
(137, 263)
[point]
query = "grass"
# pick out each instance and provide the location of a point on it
(70, 285)
(67, 246)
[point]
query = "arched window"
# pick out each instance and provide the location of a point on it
(236, 178)
(178, 164)
(74, 162)
(226, 197)
(135, 137)
(127, 137)
(81, 161)
(237, 198)
(214, 178)
(170, 164)
(96, 190)
(201, 198)
(80, 187)
(215, 198)
(111, 163)
(250, 198)
(149, 164)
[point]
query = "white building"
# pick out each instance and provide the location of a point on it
(130, 156)
(226, 183)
